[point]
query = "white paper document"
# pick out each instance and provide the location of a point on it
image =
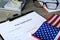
(15, 6)
(21, 28)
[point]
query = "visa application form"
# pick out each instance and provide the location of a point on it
(21, 28)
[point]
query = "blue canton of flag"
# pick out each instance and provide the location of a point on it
(46, 32)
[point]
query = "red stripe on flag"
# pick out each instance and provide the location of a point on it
(57, 23)
(59, 38)
(50, 18)
(54, 20)
(36, 37)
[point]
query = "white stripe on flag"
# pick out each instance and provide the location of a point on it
(58, 25)
(58, 35)
(56, 21)
(52, 19)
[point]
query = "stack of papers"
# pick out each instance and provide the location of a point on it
(21, 28)
(13, 5)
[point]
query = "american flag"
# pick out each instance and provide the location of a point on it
(54, 20)
(47, 32)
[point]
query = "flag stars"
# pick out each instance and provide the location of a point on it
(52, 35)
(54, 32)
(38, 30)
(57, 31)
(38, 36)
(49, 35)
(44, 29)
(53, 29)
(44, 38)
(46, 32)
(41, 36)
(50, 39)
(46, 35)
(50, 30)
